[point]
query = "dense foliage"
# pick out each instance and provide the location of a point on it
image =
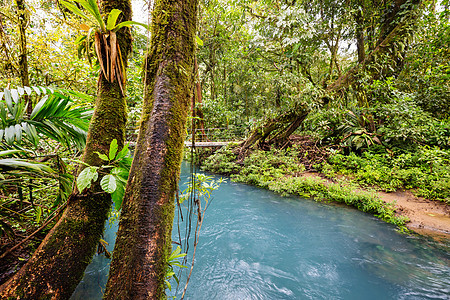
(372, 78)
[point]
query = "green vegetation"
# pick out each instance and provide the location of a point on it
(280, 171)
(357, 90)
(426, 171)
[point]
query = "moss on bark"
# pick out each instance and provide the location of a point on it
(144, 237)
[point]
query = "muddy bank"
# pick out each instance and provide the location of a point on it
(426, 217)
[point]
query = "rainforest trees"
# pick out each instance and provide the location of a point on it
(58, 264)
(144, 237)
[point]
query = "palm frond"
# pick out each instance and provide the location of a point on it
(54, 117)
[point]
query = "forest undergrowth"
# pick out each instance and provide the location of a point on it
(355, 177)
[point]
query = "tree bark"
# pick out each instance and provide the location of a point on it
(359, 20)
(144, 236)
(277, 130)
(58, 264)
(23, 56)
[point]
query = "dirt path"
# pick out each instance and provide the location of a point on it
(427, 217)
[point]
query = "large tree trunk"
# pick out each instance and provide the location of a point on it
(58, 264)
(144, 237)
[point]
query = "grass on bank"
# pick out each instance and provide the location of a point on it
(427, 172)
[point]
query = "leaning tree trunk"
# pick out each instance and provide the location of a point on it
(276, 131)
(58, 264)
(144, 238)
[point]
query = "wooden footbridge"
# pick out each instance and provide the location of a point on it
(207, 144)
(216, 137)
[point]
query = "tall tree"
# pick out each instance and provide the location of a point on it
(23, 56)
(58, 264)
(392, 37)
(144, 237)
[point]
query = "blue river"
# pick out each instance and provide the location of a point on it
(255, 244)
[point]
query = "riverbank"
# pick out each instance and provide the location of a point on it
(391, 194)
(426, 217)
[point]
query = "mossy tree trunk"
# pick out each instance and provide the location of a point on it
(144, 237)
(58, 265)
(275, 131)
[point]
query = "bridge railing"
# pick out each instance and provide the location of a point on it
(222, 134)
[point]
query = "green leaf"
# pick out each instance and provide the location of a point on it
(168, 284)
(117, 195)
(39, 214)
(129, 23)
(15, 95)
(76, 11)
(112, 19)
(86, 177)
(92, 7)
(37, 90)
(198, 40)
(108, 183)
(28, 90)
(10, 134)
(116, 171)
(18, 132)
(8, 100)
(113, 149)
(9, 152)
(102, 156)
(20, 90)
(122, 153)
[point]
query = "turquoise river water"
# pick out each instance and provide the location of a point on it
(255, 244)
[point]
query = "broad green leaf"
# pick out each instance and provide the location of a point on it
(108, 183)
(15, 95)
(3, 113)
(86, 177)
(117, 195)
(10, 134)
(75, 10)
(112, 19)
(38, 106)
(113, 149)
(18, 132)
(129, 23)
(92, 7)
(122, 153)
(102, 156)
(9, 152)
(8, 100)
(198, 40)
(116, 170)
